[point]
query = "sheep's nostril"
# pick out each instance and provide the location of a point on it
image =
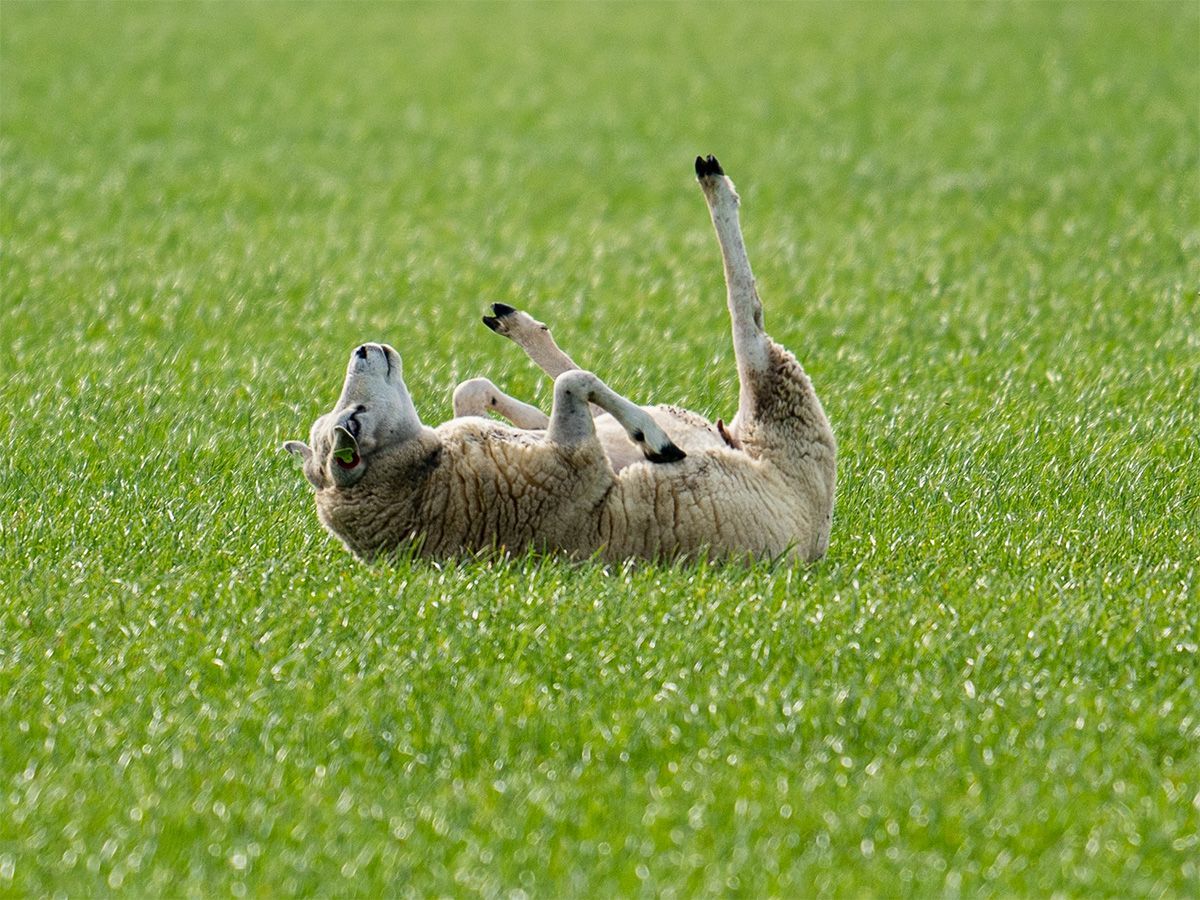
(361, 352)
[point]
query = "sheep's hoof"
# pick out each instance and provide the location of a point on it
(708, 166)
(668, 454)
(500, 311)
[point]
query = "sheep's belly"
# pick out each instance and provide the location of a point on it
(719, 503)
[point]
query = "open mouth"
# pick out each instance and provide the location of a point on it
(347, 460)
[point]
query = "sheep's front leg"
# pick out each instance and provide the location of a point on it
(534, 338)
(531, 336)
(479, 396)
(571, 422)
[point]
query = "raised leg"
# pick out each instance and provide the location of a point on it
(571, 422)
(479, 396)
(750, 341)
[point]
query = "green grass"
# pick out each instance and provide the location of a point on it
(977, 225)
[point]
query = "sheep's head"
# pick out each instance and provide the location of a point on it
(374, 413)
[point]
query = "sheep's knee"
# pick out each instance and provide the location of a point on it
(571, 421)
(575, 383)
(479, 396)
(475, 397)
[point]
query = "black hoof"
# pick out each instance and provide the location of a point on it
(499, 311)
(708, 166)
(668, 454)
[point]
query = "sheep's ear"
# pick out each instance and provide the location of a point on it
(312, 470)
(300, 448)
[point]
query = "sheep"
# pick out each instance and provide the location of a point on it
(600, 476)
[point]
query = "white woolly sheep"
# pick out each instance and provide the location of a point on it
(615, 485)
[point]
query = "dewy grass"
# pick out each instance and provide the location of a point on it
(975, 224)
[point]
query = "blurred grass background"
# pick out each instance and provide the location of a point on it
(976, 224)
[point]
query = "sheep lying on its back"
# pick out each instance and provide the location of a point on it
(761, 487)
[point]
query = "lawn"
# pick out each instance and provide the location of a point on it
(977, 225)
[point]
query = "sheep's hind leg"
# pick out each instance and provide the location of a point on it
(479, 396)
(750, 341)
(571, 422)
(777, 406)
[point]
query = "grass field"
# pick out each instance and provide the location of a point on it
(977, 225)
